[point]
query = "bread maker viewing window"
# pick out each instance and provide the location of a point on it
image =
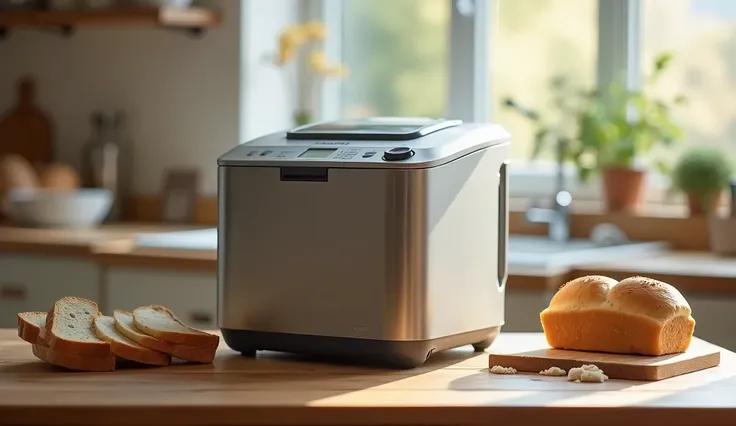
(380, 129)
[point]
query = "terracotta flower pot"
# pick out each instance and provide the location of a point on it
(622, 189)
(698, 209)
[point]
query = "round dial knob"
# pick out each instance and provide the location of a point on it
(398, 154)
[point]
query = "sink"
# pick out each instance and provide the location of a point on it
(198, 239)
(526, 254)
(529, 251)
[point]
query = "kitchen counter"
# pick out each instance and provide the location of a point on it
(77, 242)
(113, 245)
(452, 388)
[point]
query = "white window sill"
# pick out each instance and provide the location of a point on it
(538, 180)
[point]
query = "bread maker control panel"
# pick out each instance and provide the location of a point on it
(340, 154)
(381, 142)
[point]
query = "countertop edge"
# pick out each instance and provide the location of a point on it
(113, 247)
(456, 415)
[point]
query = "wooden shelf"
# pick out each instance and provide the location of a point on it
(194, 20)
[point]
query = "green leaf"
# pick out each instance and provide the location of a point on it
(584, 174)
(662, 61)
(540, 139)
(662, 167)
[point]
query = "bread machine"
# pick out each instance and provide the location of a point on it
(380, 238)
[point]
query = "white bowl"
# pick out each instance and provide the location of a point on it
(182, 4)
(66, 209)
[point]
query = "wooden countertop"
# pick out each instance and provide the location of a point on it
(112, 245)
(77, 242)
(453, 388)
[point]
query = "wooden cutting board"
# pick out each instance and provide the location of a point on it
(700, 356)
(25, 129)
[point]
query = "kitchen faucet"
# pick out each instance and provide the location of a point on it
(557, 217)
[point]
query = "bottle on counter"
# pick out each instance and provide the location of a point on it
(104, 158)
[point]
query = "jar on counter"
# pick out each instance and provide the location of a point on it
(19, 5)
(105, 158)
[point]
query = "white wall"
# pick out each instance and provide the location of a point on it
(267, 101)
(181, 94)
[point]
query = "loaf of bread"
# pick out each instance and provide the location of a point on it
(637, 315)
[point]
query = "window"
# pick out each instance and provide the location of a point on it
(397, 54)
(410, 57)
(702, 35)
(533, 42)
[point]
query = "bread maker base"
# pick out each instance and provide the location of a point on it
(389, 353)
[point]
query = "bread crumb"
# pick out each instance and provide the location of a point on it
(553, 371)
(588, 373)
(497, 369)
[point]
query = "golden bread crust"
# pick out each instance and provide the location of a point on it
(73, 361)
(635, 316)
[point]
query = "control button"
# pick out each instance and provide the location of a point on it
(250, 154)
(369, 154)
(264, 153)
(398, 154)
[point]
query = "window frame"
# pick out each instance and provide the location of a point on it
(470, 86)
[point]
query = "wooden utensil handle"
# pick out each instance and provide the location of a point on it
(13, 291)
(200, 317)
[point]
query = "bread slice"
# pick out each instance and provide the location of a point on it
(73, 361)
(160, 322)
(69, 328)
(124, 347)
(124, 324)
(638, 315)
(31, 326)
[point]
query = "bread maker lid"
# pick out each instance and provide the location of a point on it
(379, 142)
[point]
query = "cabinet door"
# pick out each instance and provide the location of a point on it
(192, 296)
(522, 310)
(714, 318)
(34, 283)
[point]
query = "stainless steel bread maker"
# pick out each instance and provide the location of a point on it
(383, 239)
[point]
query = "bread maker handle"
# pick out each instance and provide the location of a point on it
(503, 229)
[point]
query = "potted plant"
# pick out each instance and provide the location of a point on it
(702, 174)
(606, 131)
(305, 66)
(617, 126)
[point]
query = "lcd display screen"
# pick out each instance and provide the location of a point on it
(318, 153)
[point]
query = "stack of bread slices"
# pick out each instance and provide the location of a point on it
(77, 336)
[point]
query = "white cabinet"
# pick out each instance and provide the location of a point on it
(191, 295)
(715, 318)
(35, 282)
(522, 310)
